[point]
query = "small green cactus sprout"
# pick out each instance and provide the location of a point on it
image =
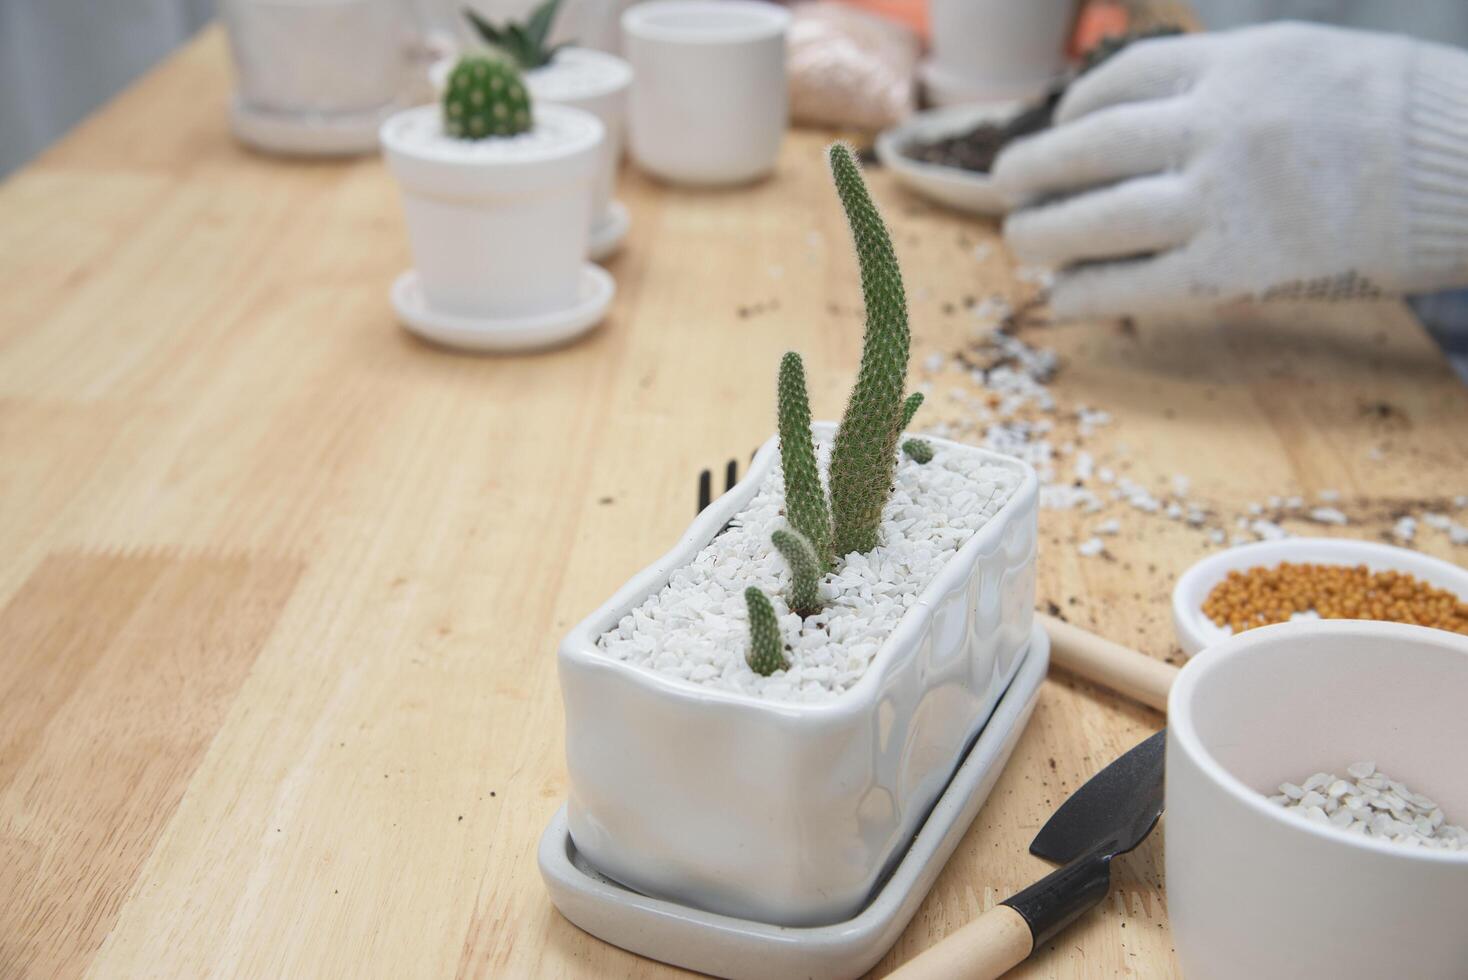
(766, 649)
(865, 452)
(525, 43)
(485, 97)
(805, 498)
(805, 571)
(910, 407)
(918, 450)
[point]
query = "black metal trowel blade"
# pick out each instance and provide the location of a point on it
(1109, 815)
(1113, 812)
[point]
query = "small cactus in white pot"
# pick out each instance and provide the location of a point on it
(497, 194)
(571, 75)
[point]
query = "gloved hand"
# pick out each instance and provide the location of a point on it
(1284, 161)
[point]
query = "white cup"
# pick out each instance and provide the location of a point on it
(709, 99)
(1255, 891)
(996, 50)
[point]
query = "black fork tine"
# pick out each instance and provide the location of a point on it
(706, 481)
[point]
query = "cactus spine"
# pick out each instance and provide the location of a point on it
(766, 650)
(910, 407)
(485, 97)
(805, 498)
(865, 452)
(805, 571)
(918, 450)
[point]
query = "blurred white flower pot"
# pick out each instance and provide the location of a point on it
(790, 813)
(498, 227)
(710, 102)
(996, 50)
(317, 56)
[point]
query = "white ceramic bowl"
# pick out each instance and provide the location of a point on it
(709, 101)
(1196, 631)
(963, 190)
(784, 813)
(1255, 891)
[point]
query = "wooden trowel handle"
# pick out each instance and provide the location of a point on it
(988, 947)
(1138, 676)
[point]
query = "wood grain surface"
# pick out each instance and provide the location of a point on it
(283, 585)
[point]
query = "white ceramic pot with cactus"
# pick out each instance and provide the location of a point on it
(496, 194)
(758, 724)
(567, 74)
(323, 64)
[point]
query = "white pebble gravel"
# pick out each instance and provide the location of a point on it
(1373, 804)
(696, 628)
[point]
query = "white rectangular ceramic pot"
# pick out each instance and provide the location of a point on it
(1256, 891)
(317, 56)
(791, 813)
(996, 50)
(709, 98)
(498, 226)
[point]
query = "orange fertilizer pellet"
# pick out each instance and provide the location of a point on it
(1260, 596)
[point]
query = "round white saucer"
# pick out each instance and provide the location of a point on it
(520, 333)
(610, 231)
(964, 190)
(307, 134)
(1195, 631)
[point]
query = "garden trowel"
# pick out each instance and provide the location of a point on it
(1111, 814)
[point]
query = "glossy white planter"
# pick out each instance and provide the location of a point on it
(498, 227)
(710, 101)
(996, 50)
(1254, 891)
(584, 79)
(317, 56)
(791, 813)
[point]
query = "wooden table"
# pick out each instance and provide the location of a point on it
(283, 586)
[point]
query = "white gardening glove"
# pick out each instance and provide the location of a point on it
(1285, 161)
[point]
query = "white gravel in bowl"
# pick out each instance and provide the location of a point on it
(696, 627)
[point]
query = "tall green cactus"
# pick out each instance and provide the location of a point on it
(865, 452)
(805, 571)
(766, 649)
(910, 407)
(805, 498)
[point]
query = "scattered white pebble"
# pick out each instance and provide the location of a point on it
(1268, 530)
(1327, 515)
(1405, 529)
(1091, 547)
(1112, 526)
